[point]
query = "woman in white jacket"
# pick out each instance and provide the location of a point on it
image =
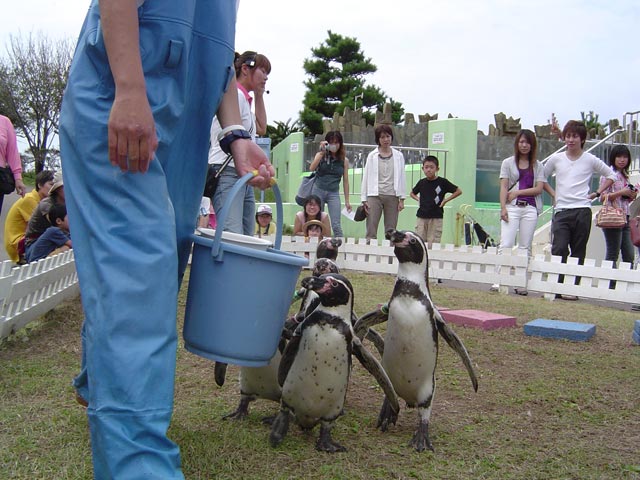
(383, 187)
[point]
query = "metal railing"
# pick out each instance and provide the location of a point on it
(630, 124)
(357, 153)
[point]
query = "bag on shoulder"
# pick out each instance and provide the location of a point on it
(610, 217)
(305, 189)
(634, 229)
(7, 181)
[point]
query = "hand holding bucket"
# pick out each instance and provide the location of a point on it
(239, 297)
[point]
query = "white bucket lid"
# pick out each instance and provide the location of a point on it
(237, 239)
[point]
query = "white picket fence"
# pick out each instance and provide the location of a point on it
(473, 264)
(29, 291)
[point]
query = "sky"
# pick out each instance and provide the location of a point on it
(470, 58)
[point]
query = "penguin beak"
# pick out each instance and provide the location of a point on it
(312, 283)
(394, 236)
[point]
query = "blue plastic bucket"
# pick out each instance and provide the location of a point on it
(239, 297)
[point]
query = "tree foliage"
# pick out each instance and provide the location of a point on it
(282, 130)
(595, 129)
(33, 76)
(336, 80)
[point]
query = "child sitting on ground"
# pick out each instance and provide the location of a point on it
(55, 239)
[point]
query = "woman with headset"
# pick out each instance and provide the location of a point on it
(252, 72)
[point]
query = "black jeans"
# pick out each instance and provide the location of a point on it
(571, 229)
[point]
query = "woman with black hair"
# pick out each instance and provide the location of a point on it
(621, 193)
(331, 166)
(311, 211)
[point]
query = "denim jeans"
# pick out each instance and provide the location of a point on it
(618, 240)
(332, 199)
(242, 210)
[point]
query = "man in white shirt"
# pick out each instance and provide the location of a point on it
(574, 169)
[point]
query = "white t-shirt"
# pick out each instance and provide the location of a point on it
(573, 178)
(216, 155)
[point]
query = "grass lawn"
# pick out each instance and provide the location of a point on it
(545, 409)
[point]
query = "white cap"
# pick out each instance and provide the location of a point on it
(262, 209)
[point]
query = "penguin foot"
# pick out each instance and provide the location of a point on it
(219, 373)
(268, 420)
(387, 416)
(279, 428)
(420, 440)
(241, 412)
(325, 443)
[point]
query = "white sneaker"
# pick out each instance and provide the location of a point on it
(495, 287)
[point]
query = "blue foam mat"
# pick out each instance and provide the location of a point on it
(542, 327)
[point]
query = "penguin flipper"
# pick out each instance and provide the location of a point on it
(456, 344)
(369, 320)
(288, 357)
(372, 365)
(377, 340)
(219, 373)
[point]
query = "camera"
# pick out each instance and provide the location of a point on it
(326, 147)
(631, 187)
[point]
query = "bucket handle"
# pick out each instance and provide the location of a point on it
(224, 212)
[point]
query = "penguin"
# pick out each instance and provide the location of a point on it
(410, 349)
(262, 382)
(326, 254)
(328, 248)
(316, 364)
(258, 382)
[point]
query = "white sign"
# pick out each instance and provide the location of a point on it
(294, 147)
(437, 138)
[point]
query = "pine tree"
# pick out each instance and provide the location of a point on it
(336, 80)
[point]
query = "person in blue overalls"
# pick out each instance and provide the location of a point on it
(146, 79)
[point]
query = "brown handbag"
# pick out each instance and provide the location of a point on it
(609, 216)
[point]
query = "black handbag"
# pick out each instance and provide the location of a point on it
(7, 181)
(213, 176)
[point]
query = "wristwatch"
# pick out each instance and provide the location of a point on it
(232, 136)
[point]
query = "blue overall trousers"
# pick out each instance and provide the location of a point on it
(131, 231)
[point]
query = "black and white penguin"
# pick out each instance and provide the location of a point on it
(326, 254)
(316, 364)
(258, 382)
(262, 382)
(411, 341)
(328, 248)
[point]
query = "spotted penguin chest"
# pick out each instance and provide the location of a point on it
(316, 384)
(410, 352)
